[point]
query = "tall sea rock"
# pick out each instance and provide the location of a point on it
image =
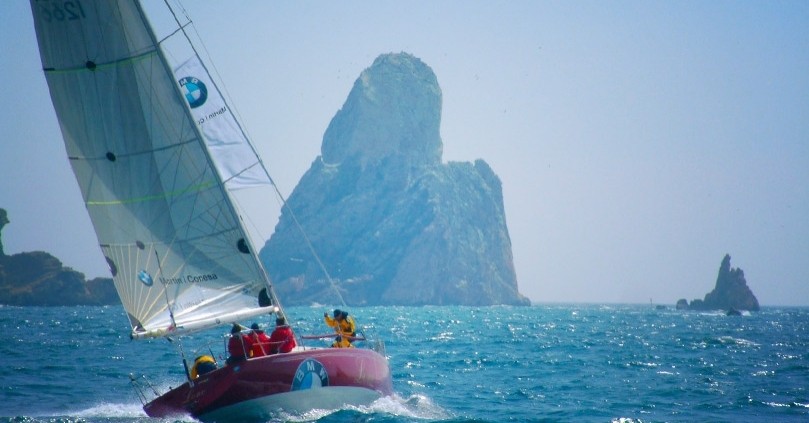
(731, 291)
(391, 222)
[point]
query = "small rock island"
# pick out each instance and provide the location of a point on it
(731, 292)
(40, 279)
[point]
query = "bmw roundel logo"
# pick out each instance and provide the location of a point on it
(195, 91)
(145, 277)
(310, 374)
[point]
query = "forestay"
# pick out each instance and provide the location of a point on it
(178, 253)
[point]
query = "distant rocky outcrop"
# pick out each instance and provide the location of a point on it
(39, 279)
(3, 222)
(392, 223)
(731, 292)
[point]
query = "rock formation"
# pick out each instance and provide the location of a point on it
(391, 223)
(39, 279)
(731, 292)
(3, 222)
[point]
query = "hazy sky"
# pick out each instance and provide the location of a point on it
(637, 142)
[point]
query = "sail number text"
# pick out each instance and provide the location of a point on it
(59, 11)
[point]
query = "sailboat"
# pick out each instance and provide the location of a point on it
(158, 154)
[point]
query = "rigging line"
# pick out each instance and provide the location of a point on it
(250, 220)
(225, 93)
(165, 289)
(173, 33)
(309, 244)
(241, 172)
(223, 90)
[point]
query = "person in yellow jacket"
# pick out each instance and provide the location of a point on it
(203, 364)
(344, 327)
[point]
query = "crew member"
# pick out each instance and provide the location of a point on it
(239, 345)
(344, 327)
(260, 342)
(282, 340)
(202, 364)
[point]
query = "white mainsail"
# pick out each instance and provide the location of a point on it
(178, 253)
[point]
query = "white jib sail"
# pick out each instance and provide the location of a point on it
(176, 248)
(234, 157)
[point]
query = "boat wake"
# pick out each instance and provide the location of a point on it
(112, 410)
(105, 411)
(417, 407)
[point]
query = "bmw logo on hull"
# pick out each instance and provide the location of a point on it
(195, 91)
(310, 374)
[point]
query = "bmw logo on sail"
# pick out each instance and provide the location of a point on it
(145, 277)
(195, 91)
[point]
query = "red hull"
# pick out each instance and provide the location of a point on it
(297, 373)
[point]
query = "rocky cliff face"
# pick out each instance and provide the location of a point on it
(39, 279)
(391, 223)
(731, 292)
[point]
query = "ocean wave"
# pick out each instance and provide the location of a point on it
(482, 364)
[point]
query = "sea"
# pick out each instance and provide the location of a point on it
(544, 363)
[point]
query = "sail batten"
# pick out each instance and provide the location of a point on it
(134, 153)
(91, 66)
(155, 183)
(165, 195)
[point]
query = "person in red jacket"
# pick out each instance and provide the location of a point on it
(282, 339)
(260, 342)
(239, 345)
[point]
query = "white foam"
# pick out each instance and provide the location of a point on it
(112, 410)
(416, 406)
(776, 404)
(311, 415)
